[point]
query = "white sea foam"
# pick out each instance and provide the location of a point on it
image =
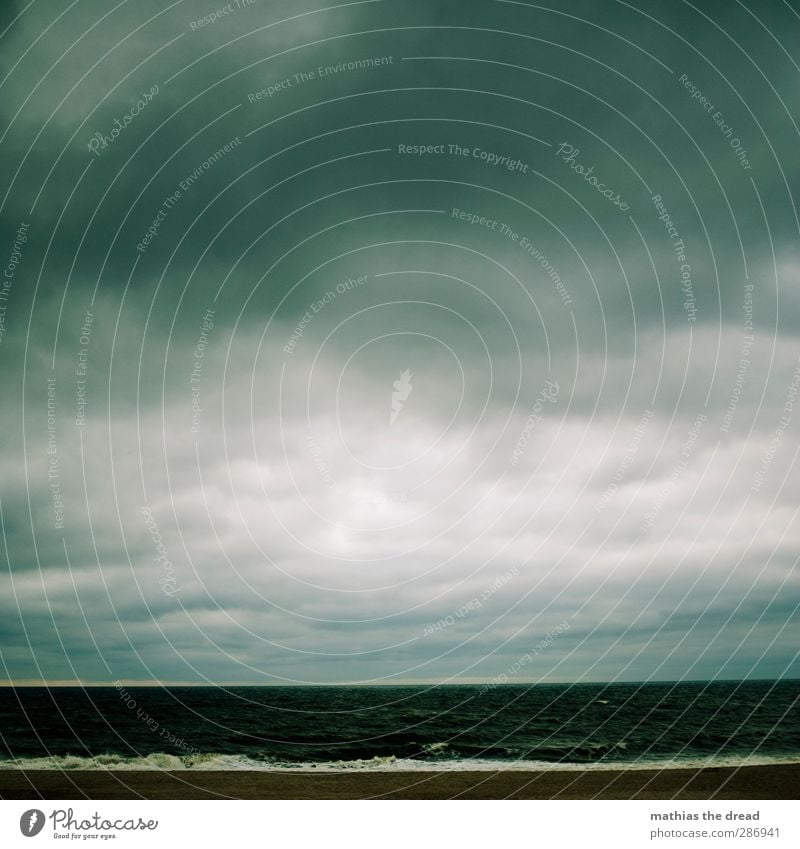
(215, 761)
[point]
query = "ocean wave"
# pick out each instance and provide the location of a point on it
(435, 750)
(216, 761)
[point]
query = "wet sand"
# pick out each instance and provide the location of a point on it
(777, 781)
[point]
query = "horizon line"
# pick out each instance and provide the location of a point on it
(418, 683)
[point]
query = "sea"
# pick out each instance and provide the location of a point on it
(344, 728)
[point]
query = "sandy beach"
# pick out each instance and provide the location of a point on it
(779, 781)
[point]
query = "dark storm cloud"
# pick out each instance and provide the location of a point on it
(304, 534)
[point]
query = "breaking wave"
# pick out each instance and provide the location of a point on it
(216, 761)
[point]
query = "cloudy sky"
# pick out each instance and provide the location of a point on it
(573, 225)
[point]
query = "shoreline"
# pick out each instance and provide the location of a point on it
(774, 781)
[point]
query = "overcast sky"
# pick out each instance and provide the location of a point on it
(220, 259)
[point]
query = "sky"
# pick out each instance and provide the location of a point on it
(391, 342)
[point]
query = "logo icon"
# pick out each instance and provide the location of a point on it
(31, 822)
(402, 389)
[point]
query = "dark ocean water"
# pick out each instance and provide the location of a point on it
(400, 727)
